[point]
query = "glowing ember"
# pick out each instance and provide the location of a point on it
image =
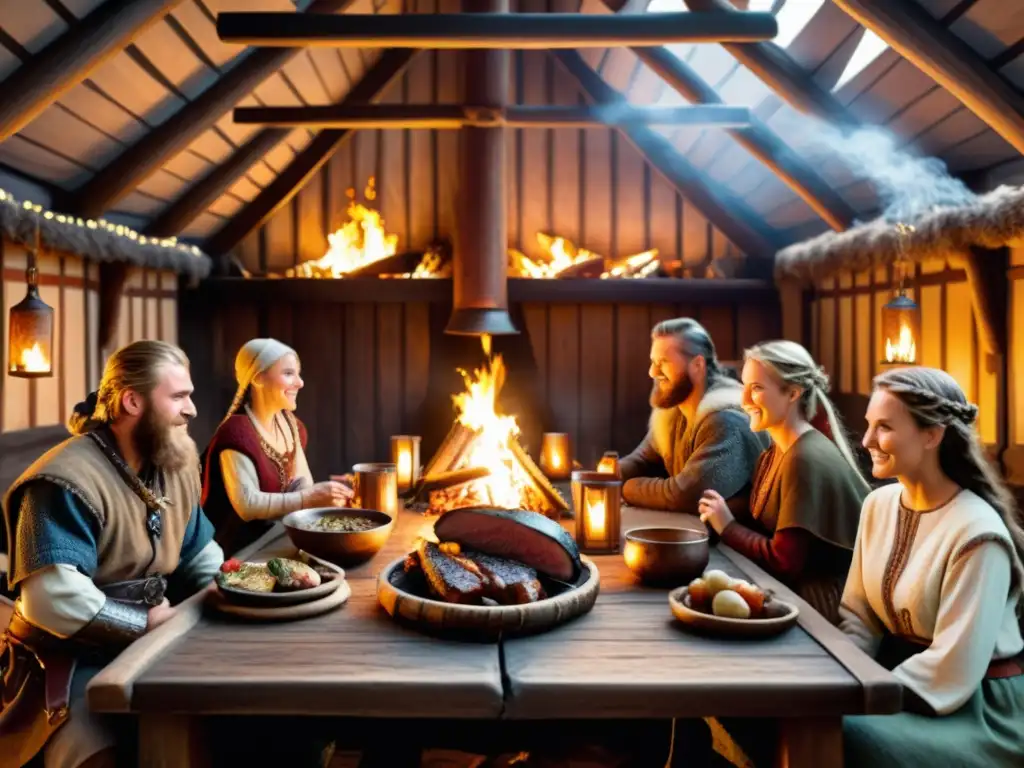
(639, 265)
(904, 350)
(559, 255)
(360, 241)
(33, 360)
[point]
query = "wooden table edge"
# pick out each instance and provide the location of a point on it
(111, 690)
(883, 693)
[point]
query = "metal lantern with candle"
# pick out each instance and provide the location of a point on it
(30, 324)
(901, 316)
(609, 463)
(555, 459)
(596, 501)
(405, 455)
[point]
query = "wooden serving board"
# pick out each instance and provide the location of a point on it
(483, 621)
(329, 602)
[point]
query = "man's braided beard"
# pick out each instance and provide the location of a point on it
(162, 443)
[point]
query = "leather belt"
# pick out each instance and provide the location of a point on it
(1003, 668)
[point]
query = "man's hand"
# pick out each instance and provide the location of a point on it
(159, 614)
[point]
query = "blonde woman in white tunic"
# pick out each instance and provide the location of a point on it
(934, 589)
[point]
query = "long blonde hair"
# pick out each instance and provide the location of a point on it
(934, 398)
(136, 367)
(793, 366)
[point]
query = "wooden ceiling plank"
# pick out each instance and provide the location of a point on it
(719, 206)
(758, 139)
(173, 135)
(780, 72)
(70, 58)
(308, 162)
(919, 38)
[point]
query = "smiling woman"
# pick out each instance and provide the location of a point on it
(255, 469)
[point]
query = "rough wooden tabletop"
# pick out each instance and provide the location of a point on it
(627, 658)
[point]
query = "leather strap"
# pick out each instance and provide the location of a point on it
(1004, 668)
(58, 670)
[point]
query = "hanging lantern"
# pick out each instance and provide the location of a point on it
(901, 317)
(30, 323)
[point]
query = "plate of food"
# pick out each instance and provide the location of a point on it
(278, 582)
(490, 571)
(717, 603)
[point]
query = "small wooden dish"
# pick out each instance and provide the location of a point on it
(275, 600)
(405, 598)
(780, 616)
(335, 599)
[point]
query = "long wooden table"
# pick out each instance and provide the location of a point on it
(626, 659)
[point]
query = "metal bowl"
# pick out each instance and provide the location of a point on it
(666, 556)
(346, 548)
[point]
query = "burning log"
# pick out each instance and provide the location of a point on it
(589, 268)
(452, 450)
(397, 264)
(638, 265)
(541, 484)
(450, 479)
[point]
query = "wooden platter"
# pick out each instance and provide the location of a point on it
(780, 616)
(335, 599)
(395, 592)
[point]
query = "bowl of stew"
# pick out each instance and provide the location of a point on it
(343, 536)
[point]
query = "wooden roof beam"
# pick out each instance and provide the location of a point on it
(69, 59)
(777, 69)
(201, 195)
(758, 139)
(455, 116)
(948, 60)
(148, 154)
(310, 160)
(463, 31)
(718, 205)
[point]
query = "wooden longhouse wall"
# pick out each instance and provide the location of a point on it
(843, 319)
(590, 186)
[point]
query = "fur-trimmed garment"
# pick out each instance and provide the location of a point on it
(717, 451)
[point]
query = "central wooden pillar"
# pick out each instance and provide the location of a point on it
(480, 263)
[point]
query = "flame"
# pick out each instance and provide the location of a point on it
(904, 350)
(596, 517)
(33, 360)
(477, 410)
(638, 265)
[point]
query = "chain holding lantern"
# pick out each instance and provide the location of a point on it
(30, 327)
(901, 316)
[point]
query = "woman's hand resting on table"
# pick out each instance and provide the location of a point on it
(714, 511)
(329, 493)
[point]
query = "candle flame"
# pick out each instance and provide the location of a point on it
(33, 360)
(596, 519)
(607, 464)
(404, 465)
(904, 350)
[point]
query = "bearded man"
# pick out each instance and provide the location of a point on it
(100, 527)
(698, 437)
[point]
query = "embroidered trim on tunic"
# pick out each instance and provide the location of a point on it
(977, 541)
(906, 531)
(285, 462)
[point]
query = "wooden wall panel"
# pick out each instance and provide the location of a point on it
(591, 186)
(1014, 457)
(367, 368)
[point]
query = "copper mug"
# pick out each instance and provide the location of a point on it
(376, 486)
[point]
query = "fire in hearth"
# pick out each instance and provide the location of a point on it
(481, 462)
(560, 257)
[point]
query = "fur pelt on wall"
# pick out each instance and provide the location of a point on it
(991, 221)
(19, 224)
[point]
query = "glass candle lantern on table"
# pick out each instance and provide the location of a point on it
(376, 486)
(555, 459)
(596, 501)
(405, 455)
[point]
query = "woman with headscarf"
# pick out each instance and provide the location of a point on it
(255, 468)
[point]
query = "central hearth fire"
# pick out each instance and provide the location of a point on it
(362, 246)
(481, 462)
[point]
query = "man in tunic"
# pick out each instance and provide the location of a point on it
(102, 528)
(698, 436)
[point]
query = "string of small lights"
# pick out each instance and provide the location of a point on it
(99, 229)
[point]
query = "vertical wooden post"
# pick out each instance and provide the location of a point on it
(479, 268)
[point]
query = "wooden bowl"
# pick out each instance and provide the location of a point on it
(405, 597)
(779, 616)
(663, 556)
(346, 548)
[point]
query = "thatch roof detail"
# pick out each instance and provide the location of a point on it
(992, 220)
(98, 241)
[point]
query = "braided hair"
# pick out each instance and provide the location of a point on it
(935, 399)
(793, 366)
(692, 339)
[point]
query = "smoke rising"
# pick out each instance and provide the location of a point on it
(907, 185)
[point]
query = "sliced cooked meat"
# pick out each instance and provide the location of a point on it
(508, 582)
(525, 537)
(448, 578)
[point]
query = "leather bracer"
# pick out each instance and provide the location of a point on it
(116, 625)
